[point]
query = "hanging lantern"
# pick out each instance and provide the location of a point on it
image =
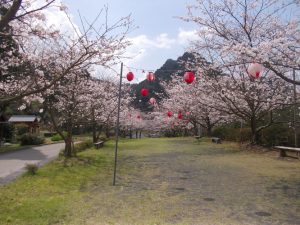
(144, 92)
(180, 116)
(130, 76)
(152, 101)
(151, 76)
(138, 116)
(255, 69)
(169, 114)
(189, 77)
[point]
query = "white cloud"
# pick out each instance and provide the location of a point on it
(142, 45)
(57, 18)
(186, 36)
(161, 41)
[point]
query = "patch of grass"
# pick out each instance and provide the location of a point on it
(159, 181)
(11, 148)
(49, 196)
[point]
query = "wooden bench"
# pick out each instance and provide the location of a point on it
(284, 149)
(197, 137)
(216, 140)
(99, 144)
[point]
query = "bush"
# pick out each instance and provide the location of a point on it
(103, 138)
(49, 134)
(21, 128)
(31, 168)
(58, 137)
(232, 133)
(277, 134)
(79, 147)
(31, 139)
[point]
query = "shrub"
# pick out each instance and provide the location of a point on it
(79, 147)
(49, 134)
(58, 137)
(32, 168)
(103, 138)
(31, 139)
(232, 133)
(277, 134)
(21, 128)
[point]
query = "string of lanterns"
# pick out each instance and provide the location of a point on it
(254, 70)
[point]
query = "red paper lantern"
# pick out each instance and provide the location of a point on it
(130, 76)
(138, 116)
(144, 92)
(180, 116)
(189, 77)
(169, 114)
(152, 101)
(150, 76)
(255, 69)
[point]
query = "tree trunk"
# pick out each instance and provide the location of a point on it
(254, 132)
(94, 126)
(130, 133)
(208, 126)
(136, 134)
(68, 146)
(107, 132)
(140, 134)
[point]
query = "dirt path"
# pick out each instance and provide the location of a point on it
(180, 182)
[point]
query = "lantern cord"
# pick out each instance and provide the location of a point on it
(143, 70)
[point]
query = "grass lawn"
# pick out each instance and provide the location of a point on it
(160, 181)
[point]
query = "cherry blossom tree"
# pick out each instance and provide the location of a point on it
(233, 32)
(102, 105)
(194, 102)
(240, 96)
(41, 55)
(66, 104)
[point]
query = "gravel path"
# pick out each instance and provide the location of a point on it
(194, 184)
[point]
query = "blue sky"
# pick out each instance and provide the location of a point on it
(159, 35)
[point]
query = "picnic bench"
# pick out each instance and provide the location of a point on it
(99, 144)
(284, 149)
(216, 140)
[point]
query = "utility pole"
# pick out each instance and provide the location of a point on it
(295, 110)
(117, 126)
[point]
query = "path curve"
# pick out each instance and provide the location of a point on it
(12, 164)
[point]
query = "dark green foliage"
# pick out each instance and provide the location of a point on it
(49, 134)
(31, 168)
(173, 133)
(31, 139)
(231, 132)
(21, 128)
(277, 134)
(56, 137)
